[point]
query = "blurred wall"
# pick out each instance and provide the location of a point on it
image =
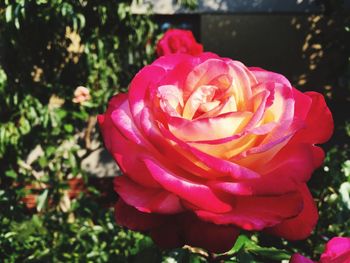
(268, 41)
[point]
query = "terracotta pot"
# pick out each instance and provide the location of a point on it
(76, 185)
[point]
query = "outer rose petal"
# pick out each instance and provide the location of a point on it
(146, 199)
(171, 61)
(196, 193)
(144, 80)
(187, 229)
(295, 162)
(168, 235)
(264, 76)
(213, 237)
(297, 258)
(302, 104)
(301, 226)
(123, 121)
(337, 251)
(319, 122)
(124, 152)
(177, 230)
(130, 217)
(256, 213)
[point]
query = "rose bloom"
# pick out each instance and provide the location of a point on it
(337, 251)
(208, 146)
(81, 94)
(178, 41)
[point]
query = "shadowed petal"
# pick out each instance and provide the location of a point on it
(301, 226)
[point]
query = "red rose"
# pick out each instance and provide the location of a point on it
(208, 146)
(178, 41)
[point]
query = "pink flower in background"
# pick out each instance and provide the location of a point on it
(178, 41)
(81, 94)
(337, 251)
(208, 146)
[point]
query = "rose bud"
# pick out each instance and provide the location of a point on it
(178, 41)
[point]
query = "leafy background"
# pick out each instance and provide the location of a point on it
(50, 209)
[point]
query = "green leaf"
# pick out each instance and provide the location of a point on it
(346, 168)
(24, 126)
(240, 242)
(68, 128)
(82, 20)
(42, 161)
(11, 173)
(270, 253)
(50, 150)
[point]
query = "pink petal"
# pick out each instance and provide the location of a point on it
(122, 119)
(297, 258)
(283, 110)
(177, 75)
(319, 121)
(243, 81)
(221, 166)
(126, 153)
(255, 157)
(264, 76)
(256, 213)
(279, 136)
(212, 128)
(145, 81)
(301, 226)
(145, 199)
(105, 124)
(296, 161)
(203, 74)
(168, 150)
(170, 61)
(261, 103)
(292, 166)
(337, 251)
(202, 95)
(170, 99)
(302, 104)
(219, 107)
(180, 183)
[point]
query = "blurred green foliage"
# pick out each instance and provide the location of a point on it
(47, 49)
